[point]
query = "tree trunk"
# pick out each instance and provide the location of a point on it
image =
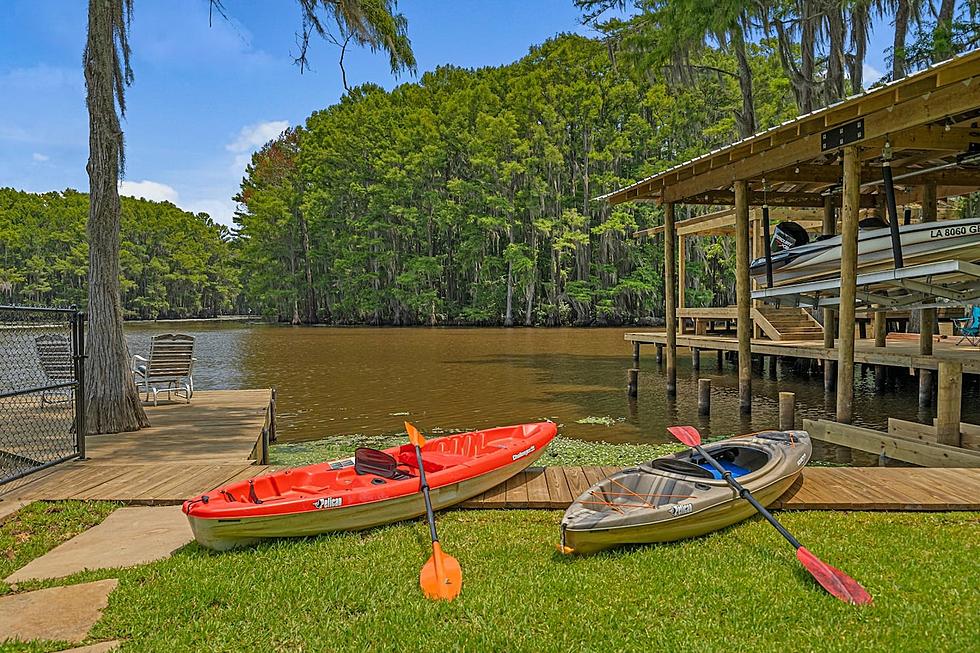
(509, 314)
(113, 402)
(746, 117)
(311, 317)
(898, 44)
(860, 20)
(835, 58)
(943, 33)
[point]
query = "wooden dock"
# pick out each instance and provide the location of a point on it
(222, 436)
(819, 488)
(190, 448)
(896, 353)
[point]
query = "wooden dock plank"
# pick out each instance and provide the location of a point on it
(189, 449)
(819, 488)
(538, 493)
(517, 490)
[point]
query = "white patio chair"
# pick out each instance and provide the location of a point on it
(54, 353)
(168, 368)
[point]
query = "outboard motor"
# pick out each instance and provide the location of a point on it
(787, 235)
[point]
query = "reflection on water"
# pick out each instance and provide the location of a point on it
(334, 381)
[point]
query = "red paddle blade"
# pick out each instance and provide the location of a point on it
(833, 580)
(686, 434)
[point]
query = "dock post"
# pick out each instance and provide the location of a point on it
(925, 388)
(660, 354)
(829, 228)
(721, 359)
(636, 352)
(787, 411)
(949, 402)
(927, 316)
(704, 396)
(880, 328)
(773, 366)
(632, 381)
(742, 296)
(670, 289)
(696, 358)
(848, 283)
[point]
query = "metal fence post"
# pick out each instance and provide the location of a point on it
(78, 347)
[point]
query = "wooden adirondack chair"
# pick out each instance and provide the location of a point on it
(54, 353)
(168, 368)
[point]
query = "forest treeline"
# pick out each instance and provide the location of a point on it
(467, 197)
(174, 264)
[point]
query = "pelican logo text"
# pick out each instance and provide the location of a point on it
(679, 509)
(328, 502)
(799, 463)
(521, 454)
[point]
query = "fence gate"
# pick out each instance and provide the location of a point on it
(42, 405)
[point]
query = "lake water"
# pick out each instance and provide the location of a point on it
(339, 381)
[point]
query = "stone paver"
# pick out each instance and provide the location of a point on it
(9, 506)
(56, 613)
(101, 647)
(127, 537)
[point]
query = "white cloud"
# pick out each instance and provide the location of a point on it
(252, 137)
(871, 75)
(222, 211)
(149, 190)
(40, 158)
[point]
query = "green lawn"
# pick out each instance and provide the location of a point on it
(739, 589)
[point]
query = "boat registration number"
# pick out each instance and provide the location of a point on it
(947, 232)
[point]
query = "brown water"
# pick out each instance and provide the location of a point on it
(338, 381)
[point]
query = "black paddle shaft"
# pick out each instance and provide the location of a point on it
(425, 493)
(745, 494)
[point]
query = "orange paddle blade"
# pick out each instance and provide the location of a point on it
(414, 436)
(441, 577)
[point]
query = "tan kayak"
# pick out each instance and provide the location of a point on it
(680, 496)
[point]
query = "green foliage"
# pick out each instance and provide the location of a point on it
(174, 263)
(467, 197)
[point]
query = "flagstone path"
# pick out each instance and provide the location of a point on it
(128, 537)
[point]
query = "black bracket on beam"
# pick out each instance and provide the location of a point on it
(843, 135)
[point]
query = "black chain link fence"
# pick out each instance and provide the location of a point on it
(41, 388)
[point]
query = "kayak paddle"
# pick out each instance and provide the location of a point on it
(830, 578)
(441, 577)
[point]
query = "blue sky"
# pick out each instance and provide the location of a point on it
(205, 97)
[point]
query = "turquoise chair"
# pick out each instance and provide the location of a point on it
(970, 327)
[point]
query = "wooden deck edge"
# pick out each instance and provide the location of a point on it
(906, 449)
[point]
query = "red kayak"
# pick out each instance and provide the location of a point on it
(369, 489)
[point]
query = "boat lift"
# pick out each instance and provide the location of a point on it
(929, 285)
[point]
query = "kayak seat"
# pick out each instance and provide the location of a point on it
(434, 461)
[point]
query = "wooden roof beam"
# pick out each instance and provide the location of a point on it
(898, 122)
(758, 198)
(831, 174)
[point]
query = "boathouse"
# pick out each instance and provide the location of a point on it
(896, 151)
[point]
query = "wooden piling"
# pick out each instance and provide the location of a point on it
(632, 382)
(927, 316)
(696, 358)
(848, 288)
(660, 354)
(636, 352)
(704, 397)
(787, 411)
(670, 289)
(925, 388)
(743, 297)
(948, 403)
(829, 315)
(721, 359)
(880, 328)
